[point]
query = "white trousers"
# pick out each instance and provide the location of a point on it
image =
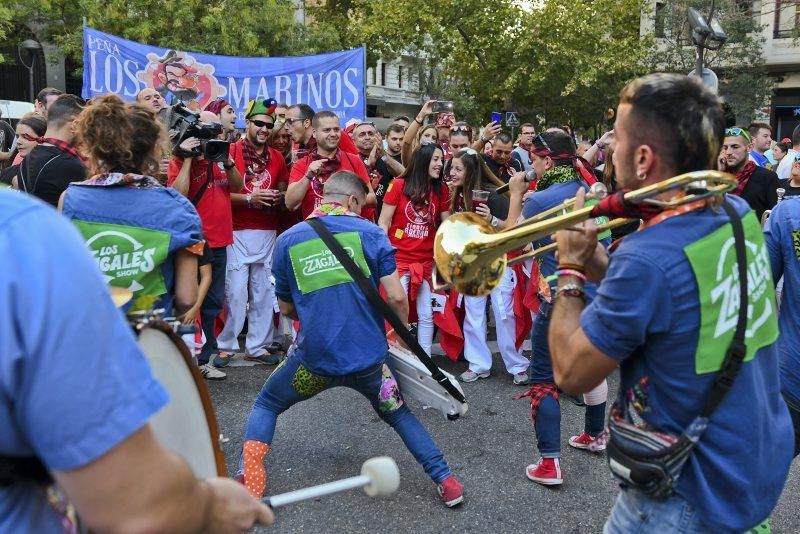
(476, 349)
(424, 313)
(248, 291)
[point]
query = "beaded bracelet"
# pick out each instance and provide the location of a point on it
(571, 266)
(571, 290)
(571, 272)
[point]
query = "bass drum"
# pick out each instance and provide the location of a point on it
(188, 424)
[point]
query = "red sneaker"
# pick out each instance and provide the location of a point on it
(451, 491)
(547, 471)
(587, 442)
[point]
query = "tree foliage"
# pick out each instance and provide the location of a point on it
(553, 61)
(739, 64)
(227, 27)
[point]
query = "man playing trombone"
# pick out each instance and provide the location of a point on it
(666, 312)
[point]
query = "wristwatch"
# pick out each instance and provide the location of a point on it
(248, 198)
(228, 167)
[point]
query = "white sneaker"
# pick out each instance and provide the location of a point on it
(521, 379)
(210, 372)
(471, 376)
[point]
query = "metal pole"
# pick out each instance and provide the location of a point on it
(30, 78)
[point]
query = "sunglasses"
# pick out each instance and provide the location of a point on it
(468, 151)
(739, 132)
(262, 124)
(460, 129)
(364, 123)
(540, 141)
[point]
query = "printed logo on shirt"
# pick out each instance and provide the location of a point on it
(129, 258)
(796, 243)
(713, 261)
(418, 220)
(315, 267)
(257, 180)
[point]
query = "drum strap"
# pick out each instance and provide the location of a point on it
(371, 292)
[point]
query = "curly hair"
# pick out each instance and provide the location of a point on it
(119, 136)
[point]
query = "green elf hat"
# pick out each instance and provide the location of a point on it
(261, 107)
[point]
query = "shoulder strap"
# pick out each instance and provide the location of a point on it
(209, 176)
(369, 290)
(23, 468)
(737, 350)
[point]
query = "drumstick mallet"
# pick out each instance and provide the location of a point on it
(379, 476)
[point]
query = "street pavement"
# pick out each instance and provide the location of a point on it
(329, 436)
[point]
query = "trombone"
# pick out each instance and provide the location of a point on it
(765, 216)
(471, 256)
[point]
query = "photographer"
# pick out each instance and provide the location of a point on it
(208, 184)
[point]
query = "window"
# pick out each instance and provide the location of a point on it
(785, 18)
(374, 75)
(659, 22)
(383, 73)
(400, 76)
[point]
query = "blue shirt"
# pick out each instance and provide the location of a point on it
(340, 331)
(73, 382)
(782, 235)
(544, 200)
(667, 310)
(133, 234)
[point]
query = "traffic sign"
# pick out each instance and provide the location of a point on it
(512, 120)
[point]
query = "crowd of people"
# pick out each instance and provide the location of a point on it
(223, 242)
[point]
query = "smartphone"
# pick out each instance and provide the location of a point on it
(496, 117)
(442, 106)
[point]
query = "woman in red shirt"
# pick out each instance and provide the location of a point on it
(413, 207)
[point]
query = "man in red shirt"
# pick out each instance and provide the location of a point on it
(299, 123)
(248, 289)
(208, 185)
(312, 171)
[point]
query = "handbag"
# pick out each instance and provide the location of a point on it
(652, 461)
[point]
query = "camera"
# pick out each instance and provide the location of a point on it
(183, 124)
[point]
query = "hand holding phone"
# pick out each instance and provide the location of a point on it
(496, 117)
(442, 106)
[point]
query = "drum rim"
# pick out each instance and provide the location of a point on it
(202, 389)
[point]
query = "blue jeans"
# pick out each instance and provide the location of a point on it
(291, 382)
(212, 305)
(548, 420)
(635, 512)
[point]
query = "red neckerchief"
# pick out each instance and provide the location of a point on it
(743, 177)
(306, 149)
(254, 162)
(330, 166)
(580, 164)
(59, 144)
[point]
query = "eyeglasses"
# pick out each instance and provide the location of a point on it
(262, 124)
(290, 120)
(540, 141)
(739, 132)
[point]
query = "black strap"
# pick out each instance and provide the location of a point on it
(737, 350)
(369, 290)
(209, 176)
(23, 468)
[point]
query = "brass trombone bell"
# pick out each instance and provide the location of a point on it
(470, 255)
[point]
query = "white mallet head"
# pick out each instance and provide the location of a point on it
(383, 474)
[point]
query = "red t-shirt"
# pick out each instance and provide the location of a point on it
(312, 200)
(413, 232)
(258, 218)
(215, 206)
